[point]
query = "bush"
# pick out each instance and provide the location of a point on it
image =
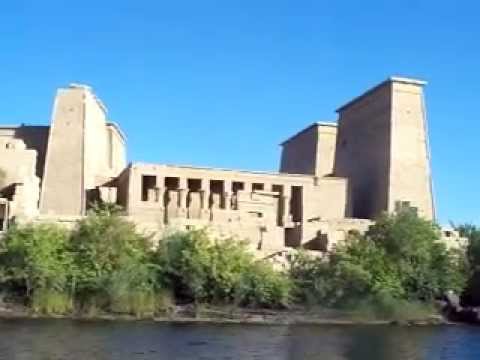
(384, 307)
(47, 302)
(104, 264)
(131, 290)
(424, 265)
(471, 295)
(262, 286)
(399, 259)
(112, 262)
(202, 269)
(199, 268)
(35, 261)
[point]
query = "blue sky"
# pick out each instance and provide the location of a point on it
(222, 83)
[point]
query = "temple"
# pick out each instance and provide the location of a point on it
(334, 178)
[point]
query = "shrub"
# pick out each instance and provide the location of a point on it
(424, 265)
(131, 290)
(471, 294)
(202, 269)
(113, 268)
(399, 258)
(262, 286)
(45, 301)
(35, 260)
(184, 259)
(384, 307)
(199, 268)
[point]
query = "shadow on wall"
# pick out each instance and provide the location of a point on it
(35, 137)
(318, 243)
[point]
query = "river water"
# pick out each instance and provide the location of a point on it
(77, 340)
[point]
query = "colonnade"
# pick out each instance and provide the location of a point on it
(213, 193)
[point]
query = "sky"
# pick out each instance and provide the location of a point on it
(223, 83)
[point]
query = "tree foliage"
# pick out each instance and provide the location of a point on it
(471, 294)
(112, 263)
(400, 257)
(36, 257)
(105, 264)
(198, 267)
(105, 243)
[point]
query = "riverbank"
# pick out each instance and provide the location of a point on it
(235, 315)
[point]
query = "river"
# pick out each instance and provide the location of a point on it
(84, 340)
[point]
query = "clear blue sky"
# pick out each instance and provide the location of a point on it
(222, 83)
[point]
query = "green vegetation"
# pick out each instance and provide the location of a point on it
(35, 261)
(205, 270)
(112, 267)
(105, 265)
(397, 263)
(471, 295)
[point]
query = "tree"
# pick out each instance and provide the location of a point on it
(203, 269)
(412, 245)
(471, 295)
(35, 261)
(400, 257)
(112, 262)
(472, 233)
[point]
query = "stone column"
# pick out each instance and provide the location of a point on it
(161, 195)
(182, 197)
(205, 191)
(286, 197)
(152, 195)
(160, 190)
(160, 201)
(227, 194)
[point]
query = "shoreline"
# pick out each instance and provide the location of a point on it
(240, 317)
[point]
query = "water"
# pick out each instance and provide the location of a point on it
(76, 340)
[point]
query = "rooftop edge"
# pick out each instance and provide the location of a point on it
(315, 124)
(208, 168)
(391, 79)
(115, 125)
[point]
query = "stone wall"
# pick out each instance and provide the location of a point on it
(410, 176)
(270, 209)
(382, 148)
(311, 151)
(84, 152)
(299, 152)
(64, 181)
(35, 137)
(363, 150)
(20, 184)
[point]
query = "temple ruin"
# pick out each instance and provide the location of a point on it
(333, 178)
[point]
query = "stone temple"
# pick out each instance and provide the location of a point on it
(333, 177)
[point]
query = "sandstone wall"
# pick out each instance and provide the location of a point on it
(410, 176)
(363, 151)
(64, 181)
(299, 153)
(20, 183)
